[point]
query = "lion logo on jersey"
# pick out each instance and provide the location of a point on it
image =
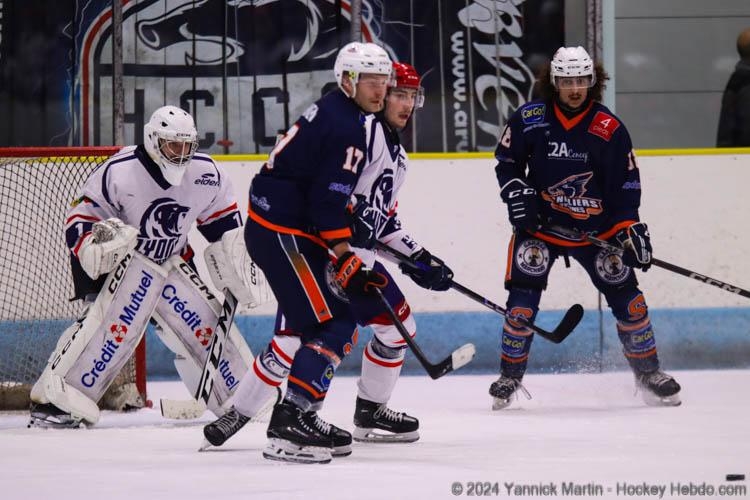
(165, 218)
(567, 196)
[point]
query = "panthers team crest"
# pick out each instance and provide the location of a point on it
(567, 196)
(532, 257)
(610, 267)
(165, 218)
(162, 226)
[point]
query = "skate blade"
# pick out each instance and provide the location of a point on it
(652, 399)
(285, 451)
(372, 435)
(341, 451)
(500, 403)
(47, 423)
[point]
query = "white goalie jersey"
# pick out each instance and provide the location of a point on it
(129, 186)
(380, 182)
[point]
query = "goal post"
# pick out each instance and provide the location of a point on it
(37, 185)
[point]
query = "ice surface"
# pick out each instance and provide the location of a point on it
(585, 429)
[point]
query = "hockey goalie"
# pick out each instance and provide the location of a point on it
(131, 263)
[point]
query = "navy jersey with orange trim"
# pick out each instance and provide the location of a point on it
(583, 168)
(306, 182)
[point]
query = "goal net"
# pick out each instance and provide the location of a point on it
(37, 186)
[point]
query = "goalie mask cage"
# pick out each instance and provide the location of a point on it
(37, 186)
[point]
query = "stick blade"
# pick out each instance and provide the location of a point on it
(463, 355)
(567, 325)
(456, 360)
(179, 409)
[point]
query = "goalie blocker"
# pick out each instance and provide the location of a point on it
(93, 350)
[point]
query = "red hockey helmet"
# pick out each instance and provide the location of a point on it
(407, 77)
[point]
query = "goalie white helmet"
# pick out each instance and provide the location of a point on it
(171, 139)
(572, 62)
(356, 58)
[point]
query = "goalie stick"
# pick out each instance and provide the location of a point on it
(656, 262)
(456, 360)
(195, 408)
(571, 319)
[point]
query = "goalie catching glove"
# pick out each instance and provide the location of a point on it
(231, 267)
(636, 242)
(428, 271)
(107, 243)
(354, 277)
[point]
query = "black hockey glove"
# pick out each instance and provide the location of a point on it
(523, 206)
(637, 245)
(364, 224)
(430, 272)
(354, 277)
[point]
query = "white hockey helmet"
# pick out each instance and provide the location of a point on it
(355, 58)
(171, 139)
(571, 62)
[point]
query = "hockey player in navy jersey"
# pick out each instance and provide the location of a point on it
(297, 218)
(375, 204)
(128, 237)
(566, 160)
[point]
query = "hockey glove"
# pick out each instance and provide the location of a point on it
(636, 243)
(364, 224)
(108, 242)
(523, 206)
(354, 277)
(430, 272)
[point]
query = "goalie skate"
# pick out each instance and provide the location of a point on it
(503, 389)
(658, 389)
(292, 438)
(49, 416)
(376, 423)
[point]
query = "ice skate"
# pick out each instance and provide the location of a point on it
(221, 429)
(658, 389)
(376, 423)
(291, 438)
(49, 416)
(340, 439)
(503, 389)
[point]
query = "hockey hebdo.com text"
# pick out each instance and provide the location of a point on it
(592, 489)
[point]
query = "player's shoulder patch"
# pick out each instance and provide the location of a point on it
(604, 125)
(533, 113)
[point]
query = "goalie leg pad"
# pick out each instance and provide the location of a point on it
(187, 313)
(107, 334)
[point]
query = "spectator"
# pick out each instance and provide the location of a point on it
(734, 120)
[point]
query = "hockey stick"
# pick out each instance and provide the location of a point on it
(564, 328)
(196, 408)
(456, 360)
(656, 262)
